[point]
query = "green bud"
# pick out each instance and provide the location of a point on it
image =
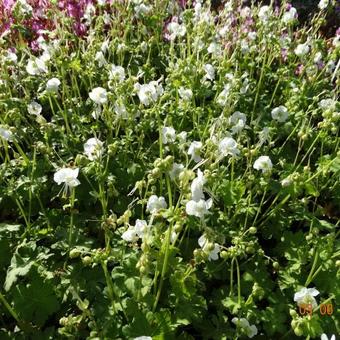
(210, 246)
(309, 237)
(157, 163)
(253, 230)
(178, 227)
(224, 254)
(293, 313)
(112, 148)
(74, 253)
(86, 260)
(250, 250)
(337, 263)
(63, 321)
(298, 331)
(276, 265)
(156, 172)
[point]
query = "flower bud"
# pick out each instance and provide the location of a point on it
(112, 148)
(74, 253)
(86, 260)
(298, 331)
(63, 321)
(293, 313)
(253, 230)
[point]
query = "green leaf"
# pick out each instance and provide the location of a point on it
(35, 301)
(19, 267)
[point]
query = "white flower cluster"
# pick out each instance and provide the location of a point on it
(198, 206)
(149, 93)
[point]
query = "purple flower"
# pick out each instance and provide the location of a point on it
(284, 54)
(299, 69)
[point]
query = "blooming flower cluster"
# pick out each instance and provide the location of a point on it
(198, 206)
(178, 134)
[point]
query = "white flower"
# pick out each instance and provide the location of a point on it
(323, 4)
(336, 41)
(238, 119)
(185, 94)
(100, 59)
(306, 296)
(222, 98)
(214, 48)
(143, 337)
(238, 127)
(213, 254)
(176, 170)
(24, 6)
(280, 113)
(198, 209)
(155, 203)
(244, 46)
(141, 227)
(148, 93)
(194, 151)
(130, 235)
(68, 177)
(250, 331)
(168, 135)
(317, 57)
(98, 95)
(142, 9)
(228, 146)
(101, 2)
(46, 56)
(93, 149)
(245, 12)
(263, 163)
(264, 13)
(252, 35)
(90, 10)
(182, 137)
(209, 72)
(290, 15)
(34, 108)
(120, 110)
(36, 66)
(301, 50)
(6, 134)
(117, 73)
(135, 232)
(104, 46)
(11, 57)
(197, 186)
(176, 30)
(325, 337)
(52, 85)
(286, 182)
(327, 104)
(264, 135)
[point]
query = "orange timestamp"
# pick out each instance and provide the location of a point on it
(325, 309)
